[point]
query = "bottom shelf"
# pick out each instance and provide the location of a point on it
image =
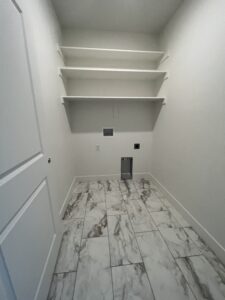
(92, 98)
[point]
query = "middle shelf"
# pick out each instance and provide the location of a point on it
(110, 73)
(93, 98)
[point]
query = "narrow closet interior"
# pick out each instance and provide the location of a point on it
(112, 147)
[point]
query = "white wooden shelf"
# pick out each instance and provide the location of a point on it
(110, 73)
(105, 98)
(119, 54)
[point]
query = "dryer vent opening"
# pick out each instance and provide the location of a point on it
(126, 168)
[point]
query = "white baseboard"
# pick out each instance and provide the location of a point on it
(109, 176)
(198, 227)
(67, 198)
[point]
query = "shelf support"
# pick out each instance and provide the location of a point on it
(164, 101)
(62, 77)
(59, 50)
(165, 57)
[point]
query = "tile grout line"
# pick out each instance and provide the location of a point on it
(175, 258)
(140, 252)
(193, 241)
(80, 244)
(110, 263)
(75, 271)
(177, 265)
(172, 255)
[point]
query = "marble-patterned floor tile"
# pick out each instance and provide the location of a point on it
(70, 247)
(175, 213)
(123, 245)
(196, 239)
(76, 206)
(139, 216)
(62, 286)
(95, 227)
(131, 282)
(97, 196)
(127, 186)
(204, 281)
(205, 250)
(151, 201)
(166, 279)
(112, 185)
(94, 280)
(164, 219)
(127, 196)
(115, 204)
(96, 185)
(142, 184)
(94, 209)
(179, 242)
(95, 224)
(81, 187)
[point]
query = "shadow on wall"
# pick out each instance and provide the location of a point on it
(93, 116)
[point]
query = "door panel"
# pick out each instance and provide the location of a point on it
(6, 291)
(29, 239)
(19, 130)
(12, 195)
(32, 232)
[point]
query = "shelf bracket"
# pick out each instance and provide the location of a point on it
(164, 101)
(60, 74)
(166, 78)
(164, 59)
(59, 50)
(62, 100)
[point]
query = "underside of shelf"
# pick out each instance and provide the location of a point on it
(110, 73)
(119, 54)
(111, 98)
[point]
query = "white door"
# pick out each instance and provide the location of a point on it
(28, 232)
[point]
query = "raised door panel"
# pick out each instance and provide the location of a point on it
(6, 291)
(16, 187)
(19, 130)
(27, 243)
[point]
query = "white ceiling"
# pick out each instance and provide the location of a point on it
(119, 15)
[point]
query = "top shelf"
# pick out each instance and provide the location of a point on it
(119, 54)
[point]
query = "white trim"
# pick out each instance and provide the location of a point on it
(46, 277)
(67, 198)
(198, 227)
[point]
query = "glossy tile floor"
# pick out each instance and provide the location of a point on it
(124, 241)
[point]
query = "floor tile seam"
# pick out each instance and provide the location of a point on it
(110, 260)
(147, 231)
(195, 244)
(178, 265)
(150, 218)
(142, 258)
(187, 256)
(79, 251)
(67, 272)
(178, 224)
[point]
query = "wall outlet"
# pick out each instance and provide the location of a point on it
(97, 147)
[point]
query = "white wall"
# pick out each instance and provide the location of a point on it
(132, 121)
(43, 34)
(109, 39)
(189, 135)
